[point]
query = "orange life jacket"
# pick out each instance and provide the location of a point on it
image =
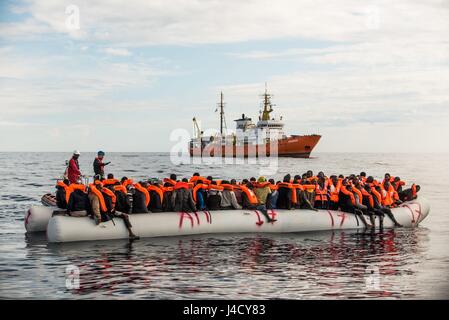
(377, 195)
(196, 188)
(73, 187)
(359, 193)
(262, 185)
(157, 190)
(111, 194)
(139, 187)
(388, 195)
(250, 195)
(229, 187)
(170, 181)
(321, 193)
(109, 182)
(181, 185)
(350, 194)
(215, 187)
(369, 196)
(396, 185)
(127, 182)
(196, 178)
(334, 190)
(121, 188)
(414, 192)
(100, 197)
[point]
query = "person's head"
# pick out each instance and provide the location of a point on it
(233, 182)
(262, 179)
(341, 176)
(378, 188)
(370, 179)
(123, 179)
(144, 184)
(110, 176)
(245, 181)
(418, 187)
(309, 174)
(173, 177)
(367, 188)
(271, 181)
(363, 174)
(185, 180)
(76, 154)
(387, 176)
(297, 177)
(249, 185)
(196, 174)
(304, 176)
(252, 179)
(66, 182)
(397, 179)
(199, 181)
(321, 174)
(100, 154)
(334, 179)
(210, 178)
(287, 178)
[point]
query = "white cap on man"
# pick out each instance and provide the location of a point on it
(76, 152)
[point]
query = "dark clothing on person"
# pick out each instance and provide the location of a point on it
(182, 200)
(155, 204)
(122, 203)
(78, 201)
(284, 200)
(99, 167)
(61, 201)
(139, 202)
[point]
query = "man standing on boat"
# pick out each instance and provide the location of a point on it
(99, 165)
(73, 169)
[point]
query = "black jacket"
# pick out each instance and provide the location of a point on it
(122, 203)
(139, 205)
(284, 198)
(78, 201)
(60, 198)
(155, 204)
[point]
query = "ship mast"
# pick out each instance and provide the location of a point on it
(222, 114)
(267, 106)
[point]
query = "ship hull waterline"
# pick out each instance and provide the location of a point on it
(294, 147)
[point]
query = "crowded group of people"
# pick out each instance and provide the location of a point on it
(108, 197)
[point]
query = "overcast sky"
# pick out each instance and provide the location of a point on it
(367, 75)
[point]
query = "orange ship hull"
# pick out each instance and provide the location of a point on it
(294, 146)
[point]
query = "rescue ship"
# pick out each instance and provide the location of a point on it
(265, 138)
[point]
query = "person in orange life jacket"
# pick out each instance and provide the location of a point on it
(141, 198)
(103, 208)
(171, 181)
(347, 202)
(61, 192)
(390, 197)
(334, 190)
(237, 192)
(309, 174)
(285, 194)
(182, 199)
(251, 202)
(358, 197)
(387, 177)
(123, 202)
(262, 192)
(376, 193)
(200, 194)
(78, 204)
(73, 169)
(321, 193)
(398, 184)
(228, 198)
(370, 202)
(362, 176)
(156, 197)
(409, 194)
(213, 200)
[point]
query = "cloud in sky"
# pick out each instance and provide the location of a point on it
(373, 69)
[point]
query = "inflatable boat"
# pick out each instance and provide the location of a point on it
(61, 228)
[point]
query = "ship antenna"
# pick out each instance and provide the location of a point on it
(222, 115)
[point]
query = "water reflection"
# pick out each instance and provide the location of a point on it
(310, 265)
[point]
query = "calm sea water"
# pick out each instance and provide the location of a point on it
(396, 264)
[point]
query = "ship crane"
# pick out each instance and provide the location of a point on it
(197, 133)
